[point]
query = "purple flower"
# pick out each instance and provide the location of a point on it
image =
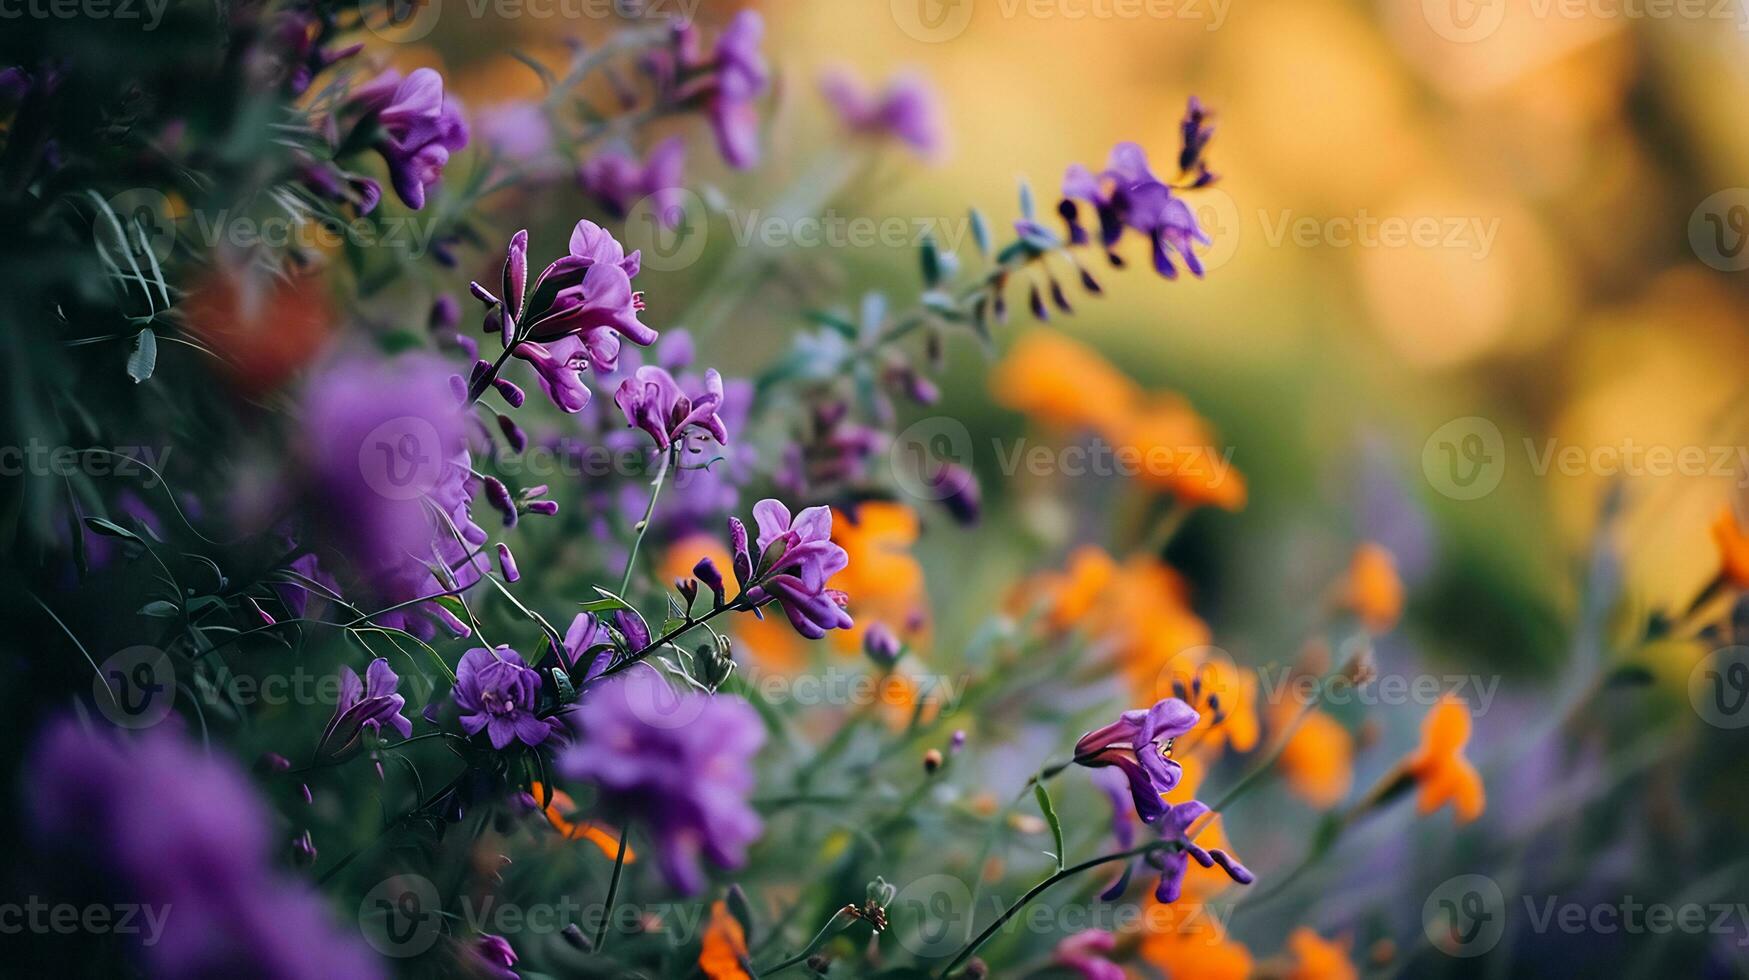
(387, 469)
(370, 703)
(1174, 825)
(907, 109)
(495, 956)
(154, 820)
(496, 692)
(794, 562)
(741, 77)
(1127, 194)
(1196, 133)
(678, 764)
(419, 128)
(880, 645)
(587, 639)
(1085, 953)
(616, 179)
(1139, 744)
(653, 401)
(576, 313)
(520, 133)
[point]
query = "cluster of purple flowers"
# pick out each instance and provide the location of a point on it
(573, 318)
(151, 819)
(1126, 194)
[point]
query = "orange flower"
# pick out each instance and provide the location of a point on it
(1077, 591)
(1317, 958)
(1223, 692)
(264, 328)
(558, 812)
(1176, 451)
(1063, 383)
(1733, 548)
(1318, 759)
(1439, 764)
(723, 955)
(1193, 945)
(1372, 590)
(883, 580)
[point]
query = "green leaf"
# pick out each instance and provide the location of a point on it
(981, 232)
(1044, 804)
(161, 609)
(607, 603)
(834, 321)
(562, 681)
(144, 359)
(931, 262)
(1026, 205)
(110, 529)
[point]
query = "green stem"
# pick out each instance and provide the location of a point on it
(808, 950)
(619, 864)
(625, 580)
(1040, 888)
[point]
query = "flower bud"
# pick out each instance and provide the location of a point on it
(881, 646)
(932, 761)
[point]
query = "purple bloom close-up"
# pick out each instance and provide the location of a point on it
(654, 402)
(678, 765)
(794, 561)
(370, 703)
(495, 692)
(419, 127)
(1128, 195)
(1139, 744)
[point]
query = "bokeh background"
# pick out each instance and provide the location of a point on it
(1581, 301)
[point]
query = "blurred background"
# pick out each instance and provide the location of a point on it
(1476, 293)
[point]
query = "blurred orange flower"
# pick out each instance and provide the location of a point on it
(723, 955)
(883, 580)
(1063, 383)
(558, 813)
(1195, 946)
(1372, 590)
(1439, 764)
(1074, 593)
(1317, 958)
(1176, 452)
(263, 328)
(1318, 759)
(1066, 385)
(1733, 548)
